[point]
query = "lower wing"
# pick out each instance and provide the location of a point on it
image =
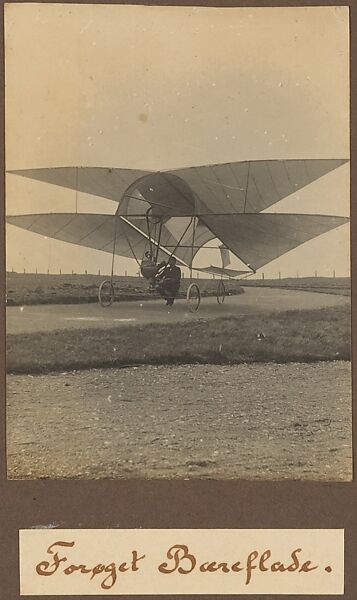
(256, 239)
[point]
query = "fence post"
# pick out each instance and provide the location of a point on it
(262, 275)
(279, 275)
(315, 273)
(334, 273)
(86, 272)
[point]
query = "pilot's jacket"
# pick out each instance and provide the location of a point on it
(172, 278)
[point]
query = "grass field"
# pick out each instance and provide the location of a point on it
(327, 285)
(32, 288)
(293, 336)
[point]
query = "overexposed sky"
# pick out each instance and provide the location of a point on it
(167, 87)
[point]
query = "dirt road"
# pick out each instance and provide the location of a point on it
(27, 319)
(259, 421)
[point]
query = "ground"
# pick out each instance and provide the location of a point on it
(203, 421)
(26, 319)
(244, 418)
(32, 288)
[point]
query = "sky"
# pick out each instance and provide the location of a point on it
(168, 87)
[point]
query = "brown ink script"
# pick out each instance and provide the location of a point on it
(184, 562)
(109, 570)
(179, 560)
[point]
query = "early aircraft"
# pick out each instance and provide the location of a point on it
(177, 212)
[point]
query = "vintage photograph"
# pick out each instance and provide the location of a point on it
(177, 242)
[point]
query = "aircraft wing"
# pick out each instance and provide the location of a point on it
(98, 181)
(227, 199)
(259, 238)
(229, 188)
(252, 186)
(256, 239)
(90, 230)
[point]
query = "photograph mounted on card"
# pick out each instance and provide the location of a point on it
(177, 229)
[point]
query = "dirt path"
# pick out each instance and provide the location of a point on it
(203, 421)
(27, 319)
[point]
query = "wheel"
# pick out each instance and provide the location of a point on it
(106, 293)
(221, 292)
(193, 297)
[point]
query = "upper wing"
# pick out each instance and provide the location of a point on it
(251, 186)
(98, 181)
(257, 239)
(229, 188)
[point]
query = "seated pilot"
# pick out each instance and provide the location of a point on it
(148, 268)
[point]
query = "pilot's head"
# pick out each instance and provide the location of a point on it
(148, 254)
(172, 261)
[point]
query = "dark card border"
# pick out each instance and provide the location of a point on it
(180, 504)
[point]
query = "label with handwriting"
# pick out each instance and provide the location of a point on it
(181, 561)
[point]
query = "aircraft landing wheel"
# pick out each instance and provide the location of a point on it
(221, 292)
(193, 297)
(106, 293)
